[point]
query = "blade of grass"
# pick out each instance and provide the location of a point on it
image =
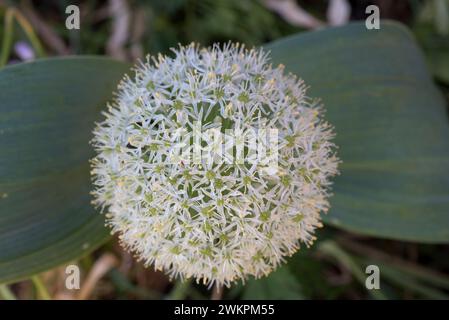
(7, 37)
(10, 15)
(420, 272)
(29, 31)
(331, 249)
(6, 293)
(399, 278)
(40, 287)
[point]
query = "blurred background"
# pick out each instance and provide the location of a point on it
(334, 268)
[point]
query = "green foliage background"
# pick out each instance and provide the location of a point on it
(391, 202)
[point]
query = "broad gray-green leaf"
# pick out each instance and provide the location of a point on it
(47, 112)
(391, 124)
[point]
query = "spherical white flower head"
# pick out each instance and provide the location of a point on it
(218, 221)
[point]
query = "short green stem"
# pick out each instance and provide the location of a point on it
(41, 290)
